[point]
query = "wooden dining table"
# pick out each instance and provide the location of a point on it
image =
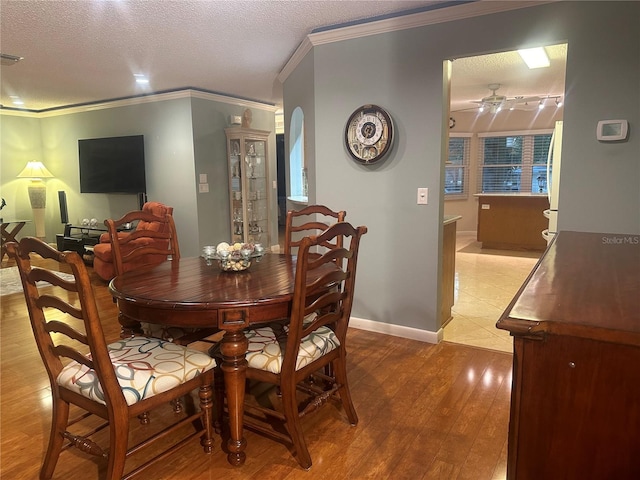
(188, 292)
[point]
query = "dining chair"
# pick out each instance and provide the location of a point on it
(293, 356)
(311, 220)
(155, 240)
(116, 382)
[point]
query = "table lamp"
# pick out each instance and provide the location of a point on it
(36, 171)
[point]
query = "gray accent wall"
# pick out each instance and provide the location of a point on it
(183, 138)
(402, 71)
(210, 153)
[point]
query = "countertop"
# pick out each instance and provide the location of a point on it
(447, 219)
(586, 284)
(514, 194)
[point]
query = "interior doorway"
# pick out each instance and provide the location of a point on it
(493, 93)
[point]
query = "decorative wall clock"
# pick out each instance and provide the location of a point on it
(369, 134)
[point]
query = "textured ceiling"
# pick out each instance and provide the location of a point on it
(87, 51)
(470, 77)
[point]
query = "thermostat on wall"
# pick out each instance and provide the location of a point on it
(612, 130)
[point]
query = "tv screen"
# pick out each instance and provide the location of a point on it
(112, 165)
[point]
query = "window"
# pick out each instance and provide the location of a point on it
(297, 170)
(456, 171)
(513, 162)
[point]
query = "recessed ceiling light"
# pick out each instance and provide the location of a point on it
(535, 57)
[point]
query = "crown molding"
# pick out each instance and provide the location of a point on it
(403, 22)
(139, 100)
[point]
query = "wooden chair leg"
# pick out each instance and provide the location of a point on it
(218, 383)
(59, 422)
(176, 405)
(294, 427)
(118, 436)
(144, 418)
(206, 407)
(340, 370)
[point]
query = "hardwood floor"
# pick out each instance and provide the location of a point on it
(426, 412)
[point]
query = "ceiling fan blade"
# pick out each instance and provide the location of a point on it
(527, 99)
(533, 105)
(476, 108)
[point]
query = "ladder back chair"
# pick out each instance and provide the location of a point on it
(293, 356)
(155, 240)
(311, 220)
(118, 382)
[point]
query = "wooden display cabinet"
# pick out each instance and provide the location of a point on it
(249, 184)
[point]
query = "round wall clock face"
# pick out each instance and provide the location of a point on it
(369, 134)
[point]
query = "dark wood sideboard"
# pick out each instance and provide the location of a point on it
(575, 402)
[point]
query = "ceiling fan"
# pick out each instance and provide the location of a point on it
(495, 103)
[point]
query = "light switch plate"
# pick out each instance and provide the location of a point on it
(423, 196)
(203, 187)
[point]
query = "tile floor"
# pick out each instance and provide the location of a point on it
(486, 281)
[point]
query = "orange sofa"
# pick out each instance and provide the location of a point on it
(103, 258)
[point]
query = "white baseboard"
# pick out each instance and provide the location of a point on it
(397, 330)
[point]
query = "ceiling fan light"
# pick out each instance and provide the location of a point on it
(535, 57)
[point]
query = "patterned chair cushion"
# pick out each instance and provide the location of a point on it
(144, 367)
(267, 344)
(170, 333)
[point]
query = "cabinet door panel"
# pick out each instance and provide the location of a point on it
(578, 411)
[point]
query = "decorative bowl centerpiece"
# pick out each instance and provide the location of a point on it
(235, 257)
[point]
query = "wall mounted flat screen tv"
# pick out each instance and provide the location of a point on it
(112, 165)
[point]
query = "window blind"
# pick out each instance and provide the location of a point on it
(512, 163)
(456, 177)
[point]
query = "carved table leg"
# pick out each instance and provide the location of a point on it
(129, 326)
(234, 366)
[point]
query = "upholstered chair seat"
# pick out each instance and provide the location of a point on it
(144, 367)
(266, 346)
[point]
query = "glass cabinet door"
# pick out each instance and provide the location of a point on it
(248, 171)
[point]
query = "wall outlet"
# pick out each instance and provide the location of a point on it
(486, 206)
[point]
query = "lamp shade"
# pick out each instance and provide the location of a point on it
(35, 170)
